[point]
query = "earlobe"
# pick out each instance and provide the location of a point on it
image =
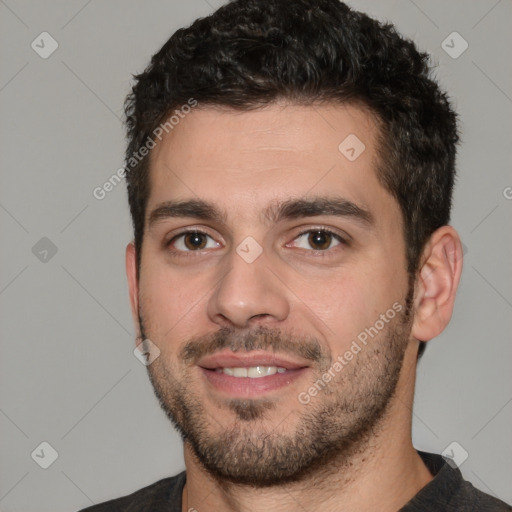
(437, 283)
(133, 284)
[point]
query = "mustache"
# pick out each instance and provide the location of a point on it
(262, 338)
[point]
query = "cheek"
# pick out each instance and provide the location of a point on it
(349, 304)
(169, 304)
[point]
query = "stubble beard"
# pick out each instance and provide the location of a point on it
(328, 432)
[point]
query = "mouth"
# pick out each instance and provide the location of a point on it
(250, 374)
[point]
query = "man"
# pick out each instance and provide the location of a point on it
(290, 168)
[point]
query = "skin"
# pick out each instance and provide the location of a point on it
(241, 161)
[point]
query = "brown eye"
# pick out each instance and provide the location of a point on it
(194, 241)
(320, 240)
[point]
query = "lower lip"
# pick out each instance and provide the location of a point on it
(246, 387)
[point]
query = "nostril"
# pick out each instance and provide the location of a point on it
(258, 315)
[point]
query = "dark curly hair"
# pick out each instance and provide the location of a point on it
(250, 53)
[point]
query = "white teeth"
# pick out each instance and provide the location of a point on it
(260, 371)
(253, 372)
(239, 372)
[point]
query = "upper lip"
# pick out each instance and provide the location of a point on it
(228, 359)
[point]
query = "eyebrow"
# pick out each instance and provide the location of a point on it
(276, 212)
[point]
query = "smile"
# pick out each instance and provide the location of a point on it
(252, 372)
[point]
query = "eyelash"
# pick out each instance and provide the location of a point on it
(334, 234)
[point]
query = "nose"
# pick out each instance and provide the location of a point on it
(248, 294)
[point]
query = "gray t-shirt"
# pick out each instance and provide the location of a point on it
(447, 492)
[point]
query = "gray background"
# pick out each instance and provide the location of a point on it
(68, 374)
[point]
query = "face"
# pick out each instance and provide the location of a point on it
(273, 281)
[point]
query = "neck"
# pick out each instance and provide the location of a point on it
(383, 475)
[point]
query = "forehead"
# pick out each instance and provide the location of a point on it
(245, 160)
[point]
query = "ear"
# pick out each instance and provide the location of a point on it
(133, 284)
(436, 283)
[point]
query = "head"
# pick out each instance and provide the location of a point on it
(312, 156)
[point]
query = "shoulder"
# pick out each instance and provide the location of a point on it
(448, 491)
(476, 500)
(164, 495)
